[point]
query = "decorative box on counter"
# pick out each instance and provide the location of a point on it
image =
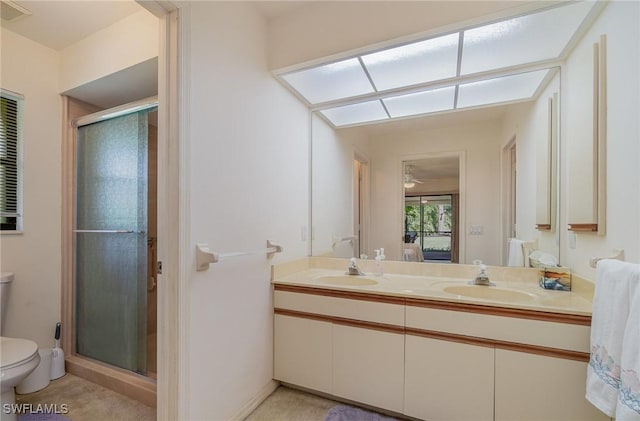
(558, 278)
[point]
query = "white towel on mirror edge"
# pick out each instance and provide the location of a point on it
(628, 407)
(616, 283)
(516, 253)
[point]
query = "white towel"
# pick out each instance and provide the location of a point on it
(615, 281)
(516, 253)
(628, 407)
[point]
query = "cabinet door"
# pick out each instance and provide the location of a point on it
(368, 366)
(302, 352)
(536, 387)
(448, 380)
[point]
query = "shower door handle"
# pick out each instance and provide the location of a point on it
(112, 231)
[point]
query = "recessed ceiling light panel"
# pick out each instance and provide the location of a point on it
(421, 102)
(525, 39)
(363, 112)
(329, 82)
(501, 89)
(414, 63)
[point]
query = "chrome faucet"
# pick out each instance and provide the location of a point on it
(353, 268)
(482, 278)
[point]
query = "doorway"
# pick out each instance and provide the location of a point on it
(360, 205)
(431, 209)
(509, 174)
(430, 223)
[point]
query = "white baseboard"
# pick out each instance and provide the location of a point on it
(253, 403)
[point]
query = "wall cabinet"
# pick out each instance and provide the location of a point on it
(447, 380)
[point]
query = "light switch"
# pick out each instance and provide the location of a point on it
(476, 230)
(572, 239)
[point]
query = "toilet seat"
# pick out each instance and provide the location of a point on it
(16, 352)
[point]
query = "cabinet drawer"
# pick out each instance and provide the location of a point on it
(572, 337)
(369, 311)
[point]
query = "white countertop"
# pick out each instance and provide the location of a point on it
(530, 295)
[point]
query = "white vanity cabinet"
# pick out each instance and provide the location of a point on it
(368, 366)
(434, 359)
(303, 352)
(447, 380)
(341, 344)
(538, 387)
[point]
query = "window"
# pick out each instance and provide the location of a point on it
(10, 134)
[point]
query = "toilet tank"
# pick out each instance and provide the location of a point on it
(5, 283)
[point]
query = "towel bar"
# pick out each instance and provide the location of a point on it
(618, 255)
(204, 256)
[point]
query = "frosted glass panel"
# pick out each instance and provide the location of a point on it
(526, 39)
(356, 113)
(410, 64)
(421, 102)
(329, 82)
(501, 89)
(111, 268)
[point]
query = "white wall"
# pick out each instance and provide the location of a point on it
(130, 41)
(333, 153)
(528, 122)
(480, 143)
(248, 167)
(31, 69)
(620, 22)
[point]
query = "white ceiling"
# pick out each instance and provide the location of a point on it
(273, 9)
(434, 168)
(128, 85)
(59, 24)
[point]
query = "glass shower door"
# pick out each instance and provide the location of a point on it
(111, 241)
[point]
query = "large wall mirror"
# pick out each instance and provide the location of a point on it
(455, 164)
(439, 188)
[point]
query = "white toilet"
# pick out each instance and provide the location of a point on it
(18, 357)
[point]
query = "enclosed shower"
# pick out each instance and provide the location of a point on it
(116, 237)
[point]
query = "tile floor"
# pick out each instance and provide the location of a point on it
(88, 401)
(287, 404)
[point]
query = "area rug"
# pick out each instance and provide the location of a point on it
(349, 413)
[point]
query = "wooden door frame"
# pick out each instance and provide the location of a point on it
(508, 227)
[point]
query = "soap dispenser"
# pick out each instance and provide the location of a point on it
(379, 258)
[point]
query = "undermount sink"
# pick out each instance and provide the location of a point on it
(490, 293)
(350, 280)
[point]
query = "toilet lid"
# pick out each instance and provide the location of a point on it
(16, 351)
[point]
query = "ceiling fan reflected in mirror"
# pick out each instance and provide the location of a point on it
(409, 181)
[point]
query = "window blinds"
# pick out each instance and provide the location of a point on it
(8, 163)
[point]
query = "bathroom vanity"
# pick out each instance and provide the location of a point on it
(420, 341)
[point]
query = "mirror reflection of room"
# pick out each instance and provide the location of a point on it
(431, 202)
